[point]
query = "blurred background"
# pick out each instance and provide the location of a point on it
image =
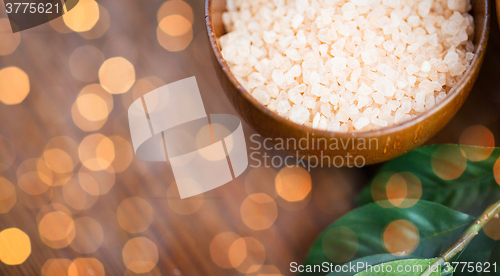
(75, 199)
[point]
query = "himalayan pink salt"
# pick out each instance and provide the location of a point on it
(348, 65)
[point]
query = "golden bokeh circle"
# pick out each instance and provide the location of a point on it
(293, 183)
(219, 248)
(96, 183)
(8, 40)
(340, 244)
(15, 246)
(96, 152)
(173, 7)
(175, 25)
(477, 136)
(124, 153)
(117, 75)
(83, 16)
(140, 255)
(135, 215)
(174, 43)
(247, 255)
(57, 226)
(101, 27)
(76, 197)
(401, 237)
(14, 85)
(58, 160)
(492, 229)
(86, 266)
(259, 211)
(91, 109)
(401, 190)
(56, 267)
(448, 162)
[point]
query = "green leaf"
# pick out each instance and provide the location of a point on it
(412, 267)
(360, 233)
(471, 193)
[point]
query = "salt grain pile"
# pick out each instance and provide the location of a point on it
(348, 65)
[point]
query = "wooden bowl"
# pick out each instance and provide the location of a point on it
(379, 145)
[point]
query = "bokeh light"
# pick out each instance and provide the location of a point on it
(83, 16)
(219, 248)
(58, 160)
(183, 206)
(86, 267)
(477, 135)
(135, 215)
(124, 154)
(140, 255)
(7, 153)
(175, 25)
(448, 162)
(496, 171)
(259, 211)
(89, 235)
(34, 177)
(340, 244)
(101, 27)
(96, 152)
(92, 107)
(57, 229)
(492, 229)
(8, 196)
(8, 40)
(76, 197)
(391, 189)
(293, 183)
(247, 255)
(84, 63)
(14, 85)
(174, 43)
(15, 246)
(174, 7)
(56, 267)
(96, 183)
(175, 30)
(117, 75)
(401, 237)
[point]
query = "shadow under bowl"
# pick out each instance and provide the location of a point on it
(342, 149)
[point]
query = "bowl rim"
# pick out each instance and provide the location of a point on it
(479, 53)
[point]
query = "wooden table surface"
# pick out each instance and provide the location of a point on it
(183, 240)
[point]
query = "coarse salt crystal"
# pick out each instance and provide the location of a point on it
(261, 95)
(384, 86)
(299, 114)
(348, 65)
